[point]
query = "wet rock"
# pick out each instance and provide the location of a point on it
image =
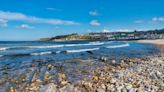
(68, 88)
(62, 79)
(48, 88)
(90, 52)
(49, 66)
(103, 59)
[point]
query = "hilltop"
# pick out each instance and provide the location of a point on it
(135, 35)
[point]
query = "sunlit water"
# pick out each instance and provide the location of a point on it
(18, 56)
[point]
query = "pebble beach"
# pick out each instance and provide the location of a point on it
(129, 75)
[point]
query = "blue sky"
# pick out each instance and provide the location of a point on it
(34, 19)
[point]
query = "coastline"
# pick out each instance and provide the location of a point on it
(156, 42)
(130, 75)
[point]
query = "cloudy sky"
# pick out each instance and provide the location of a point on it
(34, 19)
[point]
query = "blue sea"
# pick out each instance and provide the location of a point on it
(17, 58)
(18, 51)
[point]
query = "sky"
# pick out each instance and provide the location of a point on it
(23, 20)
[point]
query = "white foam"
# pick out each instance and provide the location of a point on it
(41, 53)
(1, 55)
(58, 52)
(2, 49)
(81, 50)
(40, 47)
(91, 43)
(119, 46)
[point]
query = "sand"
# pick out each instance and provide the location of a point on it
(156, 42)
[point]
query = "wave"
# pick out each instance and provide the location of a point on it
(1, 55)
(91, 43)
(81, 50)
(51, 46)
(119, 46)
(2, 49)
(40, 47)
(41, 53)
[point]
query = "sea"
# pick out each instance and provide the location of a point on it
(23, 58)
(18, 51)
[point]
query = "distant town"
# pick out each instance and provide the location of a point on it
(113, 36)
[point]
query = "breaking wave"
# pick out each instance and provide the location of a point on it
(41, 53)
(119, 46)
(1, 55)
(81, 50)
(2, 49)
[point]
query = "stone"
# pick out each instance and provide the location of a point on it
(100, 90)
(129, 86)
(68, 88)
(103, 59)
(48, 88)
(112, 81)
(90, 52)
(61, 77)
(113, 62)
(124, 90)
(49, 66)
(131, 90)
(95, 78)
(140, 90)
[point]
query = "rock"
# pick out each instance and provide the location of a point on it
(68, 88)
(124, 90)
(103, 86)
(63, 82)
(61, 77)
(112, 81)
(129, 86)
(131, 90)
(87, 85)
(140, 90)
(103, 59)
(32, 65)
(100, 90)
(113, 62)
(158, 74)
(90, 52)
(49, 66)
(95, 78)
(48, 88)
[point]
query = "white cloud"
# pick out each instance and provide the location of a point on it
(158, 19)
(106, 30)
(95, 23)
(26, 26)
(14, 16)
(3, 23)
(93, 13)
(138, 21)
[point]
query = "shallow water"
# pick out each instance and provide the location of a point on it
(16, 58)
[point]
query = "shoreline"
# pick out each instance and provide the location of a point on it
(113, 77)
(156, 42)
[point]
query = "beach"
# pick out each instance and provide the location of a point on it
(101, 74)
(156, 42)
(131, 75)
